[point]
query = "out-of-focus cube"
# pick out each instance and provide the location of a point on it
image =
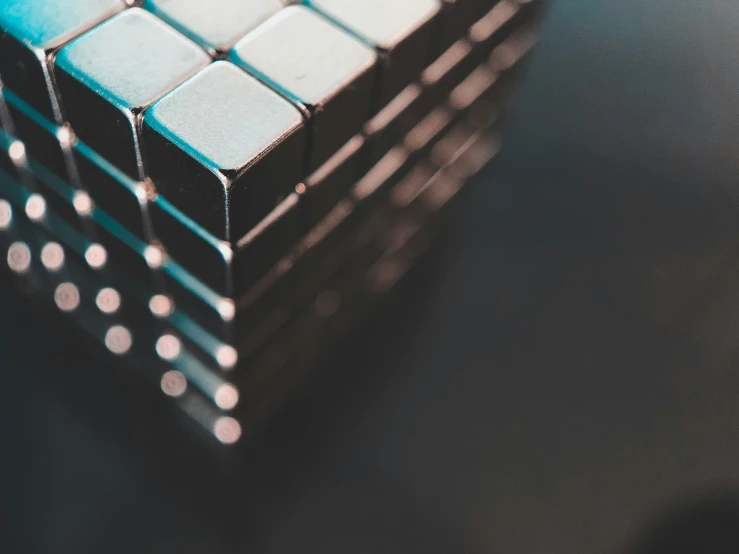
(217, 25)
(31, 31)
(108, 77)
(318, 66)
(224, 149)
(403, 31)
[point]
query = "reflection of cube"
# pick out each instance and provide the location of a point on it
(318, 66)
(402, 30)
(224, 149)
(109, 76)
(30, 31)
(214, 24)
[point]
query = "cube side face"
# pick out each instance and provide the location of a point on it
(197, 255)
(33, 30)
(324, 191)
(402, 31)
(227, 123)
(101, 124)
(265, 249)
(456, 23)
(265, 183)
(40, 142)
(186, 183)
(343, 116)
(23, 72)
(408, 59)
(117, 199)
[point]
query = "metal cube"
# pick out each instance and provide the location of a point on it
(402, 31)
(330, 74)
(108, 77)
(224, 149)
(31, 31)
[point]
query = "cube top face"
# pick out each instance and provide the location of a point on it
(224, 118)
(132, 60)
(48, 24)
(382, 23)
(303, 56)
(214, 24)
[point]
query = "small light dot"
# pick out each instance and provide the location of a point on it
(82, 203)
(96, 256)
(108, 300)
(118, 340)
(65, 136)
(300, 188)
(17, 152)
(225, 249)
(226, 356)
(174, 384)
(67, 297)
(19, 257)
(52, 256)
(140, 192)
(227, 309)
(227, 430)
(154, 256)
(36, 207)
(6, 214)
(168, 347)
(227, 396)
(161, 306)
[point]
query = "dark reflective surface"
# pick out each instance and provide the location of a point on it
(561, 377)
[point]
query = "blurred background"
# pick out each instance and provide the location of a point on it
(561, 376)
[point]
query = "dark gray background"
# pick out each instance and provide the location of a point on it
(561, 377)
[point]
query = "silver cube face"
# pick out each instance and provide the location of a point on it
(319, 67)
(403, 31)
(224, 148)
(109, 76)
(31, 31)
(216, 25)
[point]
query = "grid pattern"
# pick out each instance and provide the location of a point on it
(232, 247)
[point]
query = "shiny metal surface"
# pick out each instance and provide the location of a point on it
(217, 25)
(110, 75)
(120, 196)
(198, 251)
(241, 146)
(331, 182)
(402, 30)
(261, 248)
(30, 30)
(47, 24)
(318, 66)
(41, 146)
